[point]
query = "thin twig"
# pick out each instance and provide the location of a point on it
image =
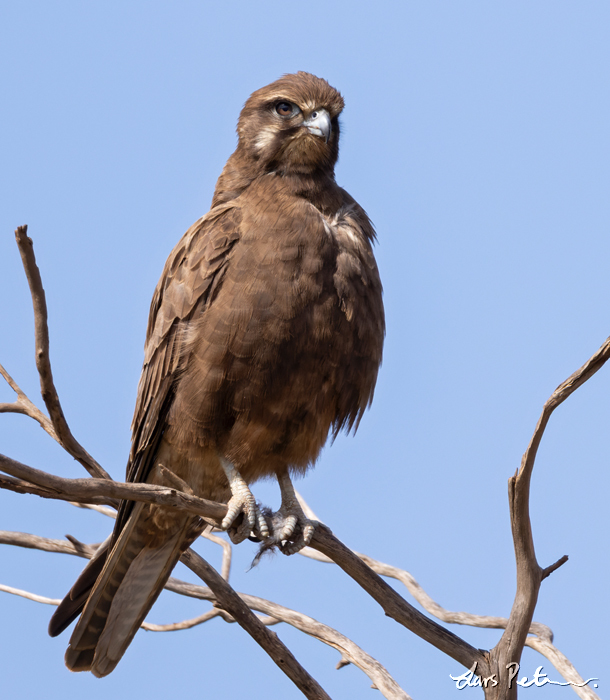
(184, 625)
(553, 567)
(227, 553)
(108, 512)
(29, 596)
(43, 363)
(24, 406)
(563, 665)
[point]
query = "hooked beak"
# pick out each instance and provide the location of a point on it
(319, 124)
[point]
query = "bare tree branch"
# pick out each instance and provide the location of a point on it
(29, 596)
(43, 363)
(106, 491)
(420, 595)
(184, 625)
(350, 651)
(228, 599)
(563, 665)
(392, 603)
(428, 603)
(542, 644)
(529, 573)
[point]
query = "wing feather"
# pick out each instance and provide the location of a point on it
(191, 273)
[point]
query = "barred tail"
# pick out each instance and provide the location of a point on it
(133, 576)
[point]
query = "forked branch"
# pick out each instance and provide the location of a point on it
(529, 573)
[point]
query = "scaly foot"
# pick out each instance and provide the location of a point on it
(242, 501)
(292, 515)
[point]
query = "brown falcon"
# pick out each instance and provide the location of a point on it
(265, 335)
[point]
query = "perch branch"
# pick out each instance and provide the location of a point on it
(90, 490)
(427, 602)
(108, 492)
(414, 588)
(392, 603)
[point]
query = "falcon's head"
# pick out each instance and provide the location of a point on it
(292, 125)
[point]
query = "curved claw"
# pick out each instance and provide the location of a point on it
(253, 520)
(307, 529)
(288, 527)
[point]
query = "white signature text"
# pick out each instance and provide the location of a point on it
(470, 679)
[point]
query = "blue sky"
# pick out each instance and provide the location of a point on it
(476, 136)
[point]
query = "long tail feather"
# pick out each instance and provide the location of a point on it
(130, 582)
(71, 606)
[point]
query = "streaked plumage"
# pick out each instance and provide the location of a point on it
(265, 334)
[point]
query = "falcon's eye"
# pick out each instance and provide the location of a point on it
(285, 109)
